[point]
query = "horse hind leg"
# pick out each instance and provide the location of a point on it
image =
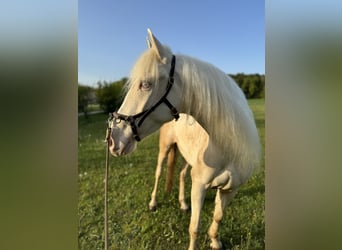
(171, 162)
(223, 198)
(183, 206)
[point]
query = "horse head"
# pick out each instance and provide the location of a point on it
(152, 98)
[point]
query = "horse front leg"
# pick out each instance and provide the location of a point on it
(161, 157)
(197, 197)
(222, 199)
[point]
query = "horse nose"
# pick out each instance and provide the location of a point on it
(115, 149)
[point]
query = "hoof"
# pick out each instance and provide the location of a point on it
(221, 248)
(152, 208)
(217, 247)
(185, 210)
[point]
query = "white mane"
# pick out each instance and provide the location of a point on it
(220, 107)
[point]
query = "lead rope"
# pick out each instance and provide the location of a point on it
(106, 189)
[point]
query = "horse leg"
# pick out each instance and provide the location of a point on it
(171, 162)
(223, 197)
(184, 207)
(161, 156)
(197, 198)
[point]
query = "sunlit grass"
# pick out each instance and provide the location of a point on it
(131, 224)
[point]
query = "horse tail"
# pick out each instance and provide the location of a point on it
(171, 161)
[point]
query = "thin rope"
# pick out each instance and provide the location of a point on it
(106, 189)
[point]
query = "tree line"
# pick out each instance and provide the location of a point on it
(252, 85)
(109, 95)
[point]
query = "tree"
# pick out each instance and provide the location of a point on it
(252, 85)
(84, 97)
(262, 87)
(109, 95)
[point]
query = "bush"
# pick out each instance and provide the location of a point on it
(84, 98)
(252, 85)
(109, 95)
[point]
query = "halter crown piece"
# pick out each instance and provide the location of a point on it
(131, 119)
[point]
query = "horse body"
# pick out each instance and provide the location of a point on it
(210, 166)
(223, 153)
(192, 141)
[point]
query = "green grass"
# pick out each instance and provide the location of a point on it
(131, 224)
(93, 107)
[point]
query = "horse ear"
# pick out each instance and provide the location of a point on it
(157, 46)
(149, 45)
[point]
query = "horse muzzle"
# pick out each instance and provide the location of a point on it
(121, 147)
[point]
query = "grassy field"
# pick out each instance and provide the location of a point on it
(131, 224)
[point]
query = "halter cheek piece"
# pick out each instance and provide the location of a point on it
(131, 119)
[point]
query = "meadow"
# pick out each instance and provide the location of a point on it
(131, 224)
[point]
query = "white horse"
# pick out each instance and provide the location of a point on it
(161, 82)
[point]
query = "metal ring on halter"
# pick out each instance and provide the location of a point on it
(131, 119)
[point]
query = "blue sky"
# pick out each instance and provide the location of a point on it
(111, 34)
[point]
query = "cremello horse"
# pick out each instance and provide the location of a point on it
(161, 82)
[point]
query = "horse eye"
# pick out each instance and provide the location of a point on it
(145, 86)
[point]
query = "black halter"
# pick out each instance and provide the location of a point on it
(131, 119)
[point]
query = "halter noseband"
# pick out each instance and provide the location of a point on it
(131, 119)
